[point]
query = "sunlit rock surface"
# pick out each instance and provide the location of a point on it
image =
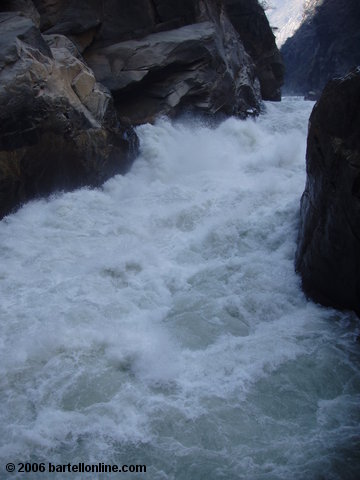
(58, 129)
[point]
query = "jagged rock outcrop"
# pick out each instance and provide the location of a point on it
(326, 45)
(167, 72)
(328, 254)
(160, 57)
(58, 129)
(250, 21)
(70, 94)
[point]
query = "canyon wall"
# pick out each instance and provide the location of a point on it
(326, 45)
(76, 76)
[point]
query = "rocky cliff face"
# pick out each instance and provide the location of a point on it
(75, 75)
(285, 16)
(250, 21)
(161, 57)
(192, 67)
(328, 255)
(58, 129)
(325, 46)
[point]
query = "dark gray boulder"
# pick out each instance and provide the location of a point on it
(58, 129)
(328, 254)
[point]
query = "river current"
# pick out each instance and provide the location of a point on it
(158, 320)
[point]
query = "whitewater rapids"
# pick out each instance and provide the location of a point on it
(158, 320)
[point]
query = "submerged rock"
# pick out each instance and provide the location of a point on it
(58, 129)
(328, 254)
(312, 96)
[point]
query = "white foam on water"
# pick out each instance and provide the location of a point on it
(158, 320)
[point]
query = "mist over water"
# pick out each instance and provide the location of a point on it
(159, 321)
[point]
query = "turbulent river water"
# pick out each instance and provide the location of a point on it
(158, 320)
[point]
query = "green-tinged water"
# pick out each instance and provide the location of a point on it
(158, 320)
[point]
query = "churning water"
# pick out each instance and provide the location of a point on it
(159, 321)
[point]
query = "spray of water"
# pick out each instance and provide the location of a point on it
(158, 320)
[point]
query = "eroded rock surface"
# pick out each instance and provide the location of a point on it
(160, 57)
(70, 91)
(328, 255)
(58, 129)
(251, 23)
(190, 67)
